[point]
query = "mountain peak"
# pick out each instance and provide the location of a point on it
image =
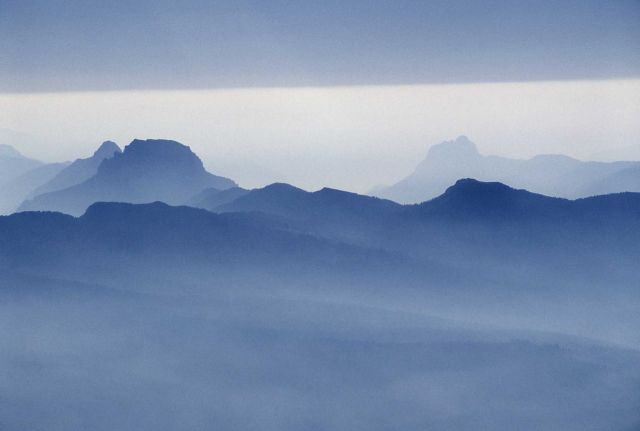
(471, 185)
(146, 171)
(459, 148)
(107, 149)
(472, 199)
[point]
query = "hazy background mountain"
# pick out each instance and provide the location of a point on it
(20, 175)
(146, 171)
(78, 171)
(13, 164)
(212, 198)
(553, 175)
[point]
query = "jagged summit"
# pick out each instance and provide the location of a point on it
(461, 147)
(107, 149)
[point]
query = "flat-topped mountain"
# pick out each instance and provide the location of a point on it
(551, 175)
(146, 171)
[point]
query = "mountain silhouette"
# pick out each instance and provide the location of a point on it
(14, 164)
(23, 186)
(477, 240)
(113, 242)
(146, 171)
(242, 304)
(476, 243)
(212, 198)
(551, 175)
(19, 176)
(474, 226)
(80, 170)
(333, 213)
(292, 202)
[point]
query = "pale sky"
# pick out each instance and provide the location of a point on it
(349, 137)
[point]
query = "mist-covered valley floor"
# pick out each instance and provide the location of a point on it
(83, 357)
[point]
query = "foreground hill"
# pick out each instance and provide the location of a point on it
(146, 171)
(552, 175)
(113, 240)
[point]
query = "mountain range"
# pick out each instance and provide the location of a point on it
(144, 292)
(552, 175)
(479, 239)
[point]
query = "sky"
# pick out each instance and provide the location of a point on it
(54, 45)
(346, 94)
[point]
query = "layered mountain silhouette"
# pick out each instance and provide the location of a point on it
(20, 175)
(114, 242)
(333, 213)
(146, 171)
(477, 237)
(79, 171)
(212, 198)
(473, 226)
(552, 175)
(13, 163)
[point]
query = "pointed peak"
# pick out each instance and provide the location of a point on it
(107, 149)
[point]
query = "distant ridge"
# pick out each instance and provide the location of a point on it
(19, 175)
(548, 174)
